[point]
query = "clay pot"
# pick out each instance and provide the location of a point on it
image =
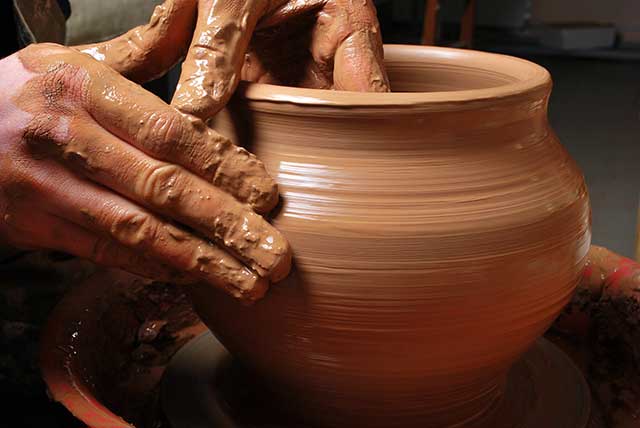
(437, 232)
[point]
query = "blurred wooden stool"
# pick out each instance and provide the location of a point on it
(467, 23)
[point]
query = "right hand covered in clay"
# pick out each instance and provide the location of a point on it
(93, 165)
(329, 44)
(600, 329)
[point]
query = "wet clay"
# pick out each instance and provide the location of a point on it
(311, 43)
(438, 232)
(345, 45)
(111, 131)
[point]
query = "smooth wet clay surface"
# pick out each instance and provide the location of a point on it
(204, 386)
(436, 233)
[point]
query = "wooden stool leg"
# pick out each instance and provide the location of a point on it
(468, 23)
(429, 28)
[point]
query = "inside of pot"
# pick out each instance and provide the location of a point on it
(420, 75)
(439, 77)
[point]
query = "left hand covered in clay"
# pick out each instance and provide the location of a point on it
(309, 43)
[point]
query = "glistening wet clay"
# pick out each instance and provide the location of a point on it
(114, 133)
(346, 53)
(312, 43)
(345, 45)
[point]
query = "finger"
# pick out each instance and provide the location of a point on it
(143, 120)
(348, 44)
(176, 193)
(358, 63)
(46, 231)
(149, 51)
(112, 216)
(212, 67)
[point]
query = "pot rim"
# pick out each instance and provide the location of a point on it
(526, 77)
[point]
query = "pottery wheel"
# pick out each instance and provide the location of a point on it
(204, 388)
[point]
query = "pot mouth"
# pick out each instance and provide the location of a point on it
(422, 76)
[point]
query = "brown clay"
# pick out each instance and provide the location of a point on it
(345, 45)
(84, 117)
(312, 43)
(599, 330)
(437, 234)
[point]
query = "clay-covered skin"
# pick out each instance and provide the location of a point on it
(599, 329)
(437, 234)
(94, 165)
(154, 166)
(312, 43)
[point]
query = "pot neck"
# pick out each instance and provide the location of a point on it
(449, 124)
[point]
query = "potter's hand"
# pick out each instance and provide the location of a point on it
(311, 43)
(607, 279)
(601, 328)
(87, 167)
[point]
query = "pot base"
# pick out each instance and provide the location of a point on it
(203, 386)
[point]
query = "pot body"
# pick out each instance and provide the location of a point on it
(433, 243)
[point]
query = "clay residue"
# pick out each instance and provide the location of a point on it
(599, 329)
(141, 119)
(312, 43)
(109, 341)
(210, 70)
(86, 104)
(339, 47)
(250, 236)
(243, 175)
